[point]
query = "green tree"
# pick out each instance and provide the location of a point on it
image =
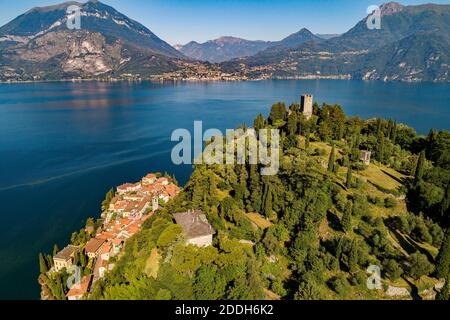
(209, 284)
(444, 294)
(381, 148)
(445, 204)
(379, 127)
(268, 204)
(278, 113)
(349, 180)
(43, 267)
(346, 221)
(443, 258)
(308, 289)
(55, 250)
(419, 265)
(109, 196)
(331, 160)
(258, 123)
(292, 125)
(169, 235)
(420, 168)
(255, 188)
(394, 132)
(393, 269)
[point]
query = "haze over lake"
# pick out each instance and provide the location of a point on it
(64, 145)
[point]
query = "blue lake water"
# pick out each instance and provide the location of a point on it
(63, 145)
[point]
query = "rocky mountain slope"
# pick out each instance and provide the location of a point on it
(38, 45)
(412, 45)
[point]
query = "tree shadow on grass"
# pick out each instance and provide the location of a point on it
(414, 290)
(408, 245)
(333, 221)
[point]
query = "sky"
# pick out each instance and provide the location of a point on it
(181, 21)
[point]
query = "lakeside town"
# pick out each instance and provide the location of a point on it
(100, 243)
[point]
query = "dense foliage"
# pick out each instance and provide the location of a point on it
(320, 222)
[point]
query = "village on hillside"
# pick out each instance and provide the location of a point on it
(127, 209)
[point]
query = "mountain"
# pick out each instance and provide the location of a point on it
(96, 17)
(222, 49)
(38, 45)
(422, 55)
(228, 48)
(412, 45)
(298, 38)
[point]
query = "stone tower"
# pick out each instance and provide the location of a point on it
(155, 203)
(306, 105)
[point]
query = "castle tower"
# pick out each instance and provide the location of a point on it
(155, 204)
(306, 105)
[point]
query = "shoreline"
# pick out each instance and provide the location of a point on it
(342, 78)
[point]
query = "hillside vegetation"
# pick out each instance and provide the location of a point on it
(311, 231)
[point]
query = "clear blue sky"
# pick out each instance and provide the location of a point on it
(180, 21)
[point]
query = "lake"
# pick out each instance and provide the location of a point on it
(64, 145)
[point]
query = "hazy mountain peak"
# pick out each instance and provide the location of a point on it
(229, 39)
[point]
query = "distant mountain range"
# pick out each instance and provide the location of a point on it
(228, 48)
(412, 45)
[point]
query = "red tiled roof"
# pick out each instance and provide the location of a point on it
(93, 245)
(172, 190)
(106, 236)
(81, 288)
(105, 248)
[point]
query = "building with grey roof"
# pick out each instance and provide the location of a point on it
(196, 228)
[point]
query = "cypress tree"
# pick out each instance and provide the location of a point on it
(445, 204)
(432, 136)
(420, 167)
(346, 221)
(331, 160)
(414, 167)
(268, 203)
(444, 294)
(43, 267)
(55, 249)
(389, 131)
(349, 181)
(380, 150)
(258, 123)
(76, 258)
(394, 132)
(443, 258)
(49, 259)
(255, 188)
(379, 127)
(292, 125)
